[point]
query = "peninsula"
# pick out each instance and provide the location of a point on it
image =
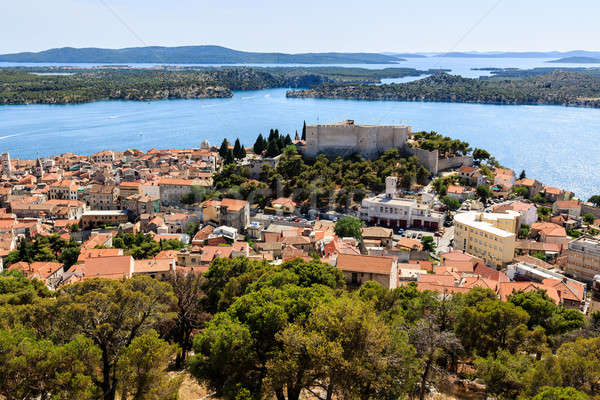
(577, 89)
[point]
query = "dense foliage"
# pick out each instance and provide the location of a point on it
(555, 87)
(322, 181)
(62, 86)
(262, 330)
(141, 245)
(45, 248)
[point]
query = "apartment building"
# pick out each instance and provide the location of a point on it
(103, 197)
(490, 236)
(98, 218)
(106, 156)
(583, 258)
(173, 189)
(64, 190)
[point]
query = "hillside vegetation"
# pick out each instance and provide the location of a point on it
(64, 85)
(556, 87)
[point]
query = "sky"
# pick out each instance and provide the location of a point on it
(303, 26)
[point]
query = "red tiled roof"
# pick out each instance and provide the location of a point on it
(368, 264)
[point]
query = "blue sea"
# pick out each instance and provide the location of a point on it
(559, 146)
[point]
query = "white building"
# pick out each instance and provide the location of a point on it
(389, 210)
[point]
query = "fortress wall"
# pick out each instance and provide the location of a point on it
(345, 139)
(454, 162)
(429, 159)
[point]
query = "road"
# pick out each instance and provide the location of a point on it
(444, 242)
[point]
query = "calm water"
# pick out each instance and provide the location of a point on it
(558, 145)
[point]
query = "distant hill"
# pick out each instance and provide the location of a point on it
(521, 54)
(577, 60)
(192, 55)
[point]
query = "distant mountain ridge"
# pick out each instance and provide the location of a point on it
(192, 55)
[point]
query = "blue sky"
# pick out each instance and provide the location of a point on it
(302, 26)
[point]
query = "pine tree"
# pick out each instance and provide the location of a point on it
(259, 145)
(304, 131)
(224, 148)
(237, 149)
(522, 175)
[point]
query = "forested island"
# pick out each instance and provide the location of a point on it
(66, 85)
(581, 89)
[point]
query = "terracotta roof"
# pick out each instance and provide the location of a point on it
(409, 243)
(368, 264)
(296, 240)
(568, 204)
(490, 273)
(94, 253)
(233, 204)
(549, 229)
(284, 201)
(153, 265)
(422, 286)
(525, 182)
(176, 181)
(437, 279)
(478, 281)
(553, 190)
(467, 170)
(377, 232)
(291, 252)
(116, 267)
(42, 269)
(508, 288)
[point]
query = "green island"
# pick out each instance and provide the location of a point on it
(64, 85)
(567, 88)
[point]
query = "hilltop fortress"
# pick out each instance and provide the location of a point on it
(346, 138)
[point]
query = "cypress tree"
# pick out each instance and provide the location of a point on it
(237, 149)
(273, 149)
(228, 159)
(272, 135)
(304, 131)
(224, 148)
(288, 140)
(259, 145)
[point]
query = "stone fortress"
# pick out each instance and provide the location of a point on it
(346, 138)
